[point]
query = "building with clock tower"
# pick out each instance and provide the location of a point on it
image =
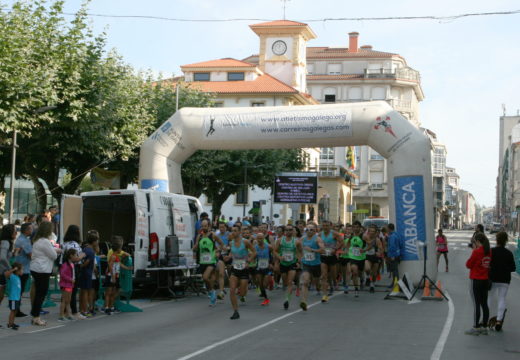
(283, 46)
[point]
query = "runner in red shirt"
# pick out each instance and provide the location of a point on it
(442, 247)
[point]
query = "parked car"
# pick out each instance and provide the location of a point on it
(495, 227)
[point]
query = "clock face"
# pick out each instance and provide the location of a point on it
(279, 47)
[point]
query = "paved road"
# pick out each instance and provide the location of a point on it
(364, 328)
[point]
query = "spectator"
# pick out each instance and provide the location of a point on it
(203, 216)
(42, 261)
(115, 257)
(502, 265)
(67, 275)
(55, 218)
(85, 274)
(478, 229)
(72, 240)
(478, 264)
(230, 223)
(24, 248)
(6, 250)
(15, 293)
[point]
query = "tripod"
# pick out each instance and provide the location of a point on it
(425, 277)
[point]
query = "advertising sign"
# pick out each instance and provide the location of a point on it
(410, 214)
(296, 188)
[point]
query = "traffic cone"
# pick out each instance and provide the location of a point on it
(426, 291)
(378, 277)
(396, 286)
(437, 294)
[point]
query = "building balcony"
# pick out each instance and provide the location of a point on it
(402, 74)
(400, 104)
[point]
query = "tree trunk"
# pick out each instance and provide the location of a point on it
(41, 194)
(216, 203)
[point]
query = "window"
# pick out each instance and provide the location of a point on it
(354, 93)
(241, 197)
(201, 77)
(376, 177)
(310, 69)
(235, 76)
(330, 98)
(334, 69)
(327, 153)
(218, 104)
(328, 171)
(374, 155)
(258, 103)
(378, 93)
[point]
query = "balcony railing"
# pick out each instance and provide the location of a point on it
(401, 73)
(400, 104)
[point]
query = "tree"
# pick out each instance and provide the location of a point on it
(220, 173)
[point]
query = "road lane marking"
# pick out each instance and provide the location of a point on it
(247, 332)
(49, 328)
(437, 352)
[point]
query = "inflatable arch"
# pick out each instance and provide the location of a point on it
(376, 124)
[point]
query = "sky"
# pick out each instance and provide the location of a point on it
(469, 66)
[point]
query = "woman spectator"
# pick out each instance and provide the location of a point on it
(502, 265)
(478, 264)
(42, 261)
(6, 250)
(72, 240)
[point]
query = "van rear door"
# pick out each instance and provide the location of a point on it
(70, 213)
(142, 230)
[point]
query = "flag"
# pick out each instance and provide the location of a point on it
(351, 157)
(106, 178)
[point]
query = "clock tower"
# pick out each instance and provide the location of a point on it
(283, 46)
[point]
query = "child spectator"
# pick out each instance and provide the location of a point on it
(85, 276)
(15, 293)
(72, 240)
(95, 274)
(115, 255)
(67, 279)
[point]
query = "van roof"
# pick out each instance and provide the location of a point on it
(131, 192)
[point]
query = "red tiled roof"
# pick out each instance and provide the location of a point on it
(332, 53)
(226, 62)
(262, 84)
(280, 23)
(335, 77)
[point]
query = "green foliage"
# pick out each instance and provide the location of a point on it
(221, 173)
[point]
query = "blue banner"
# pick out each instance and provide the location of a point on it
(410, 219)
(155, 184)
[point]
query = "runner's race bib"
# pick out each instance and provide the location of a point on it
(329, 251)
(263, 263)
(309, 256)
(205, 258)
(239, 264)
(288, 256)
(356, 251)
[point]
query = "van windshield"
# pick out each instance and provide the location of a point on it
(110, 215)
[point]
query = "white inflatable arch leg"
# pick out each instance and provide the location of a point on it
(407, 149)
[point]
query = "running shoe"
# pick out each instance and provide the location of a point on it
(345, 289)
(286, 305)
(243, 299)
(86, 315)
(325, 299)
(303, 305)
(265, 302)
(235, 316)
(21, 314)
(13, 326)
(107, 312)
(43, 312)
(70, 318)
(378, 278)
(498, 325)
(83, 317)
(220, 296)
(372, 290)
(356, 292)
(212, 299)
(62, 319)
(472, 331)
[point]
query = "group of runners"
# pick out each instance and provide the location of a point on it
(301, 255)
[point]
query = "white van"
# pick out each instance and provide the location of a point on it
(157, 227)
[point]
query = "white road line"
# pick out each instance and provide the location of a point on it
(437, 352)
(49, 328)
(244, 333)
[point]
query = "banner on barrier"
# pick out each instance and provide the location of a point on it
(410, 214)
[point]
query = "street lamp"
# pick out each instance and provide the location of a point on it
(13, 162)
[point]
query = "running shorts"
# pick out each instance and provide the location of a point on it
(359, 263)
(203, 267)
(329, 260)
(314, 270)
(14, 305)
(374, 259)
(109, 283)
(344, 261)
(262, 271)
(241, 274)
(285, 269)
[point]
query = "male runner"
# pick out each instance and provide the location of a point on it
(332, 242)
(356, 253)
(313, 247)
(287, 252)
